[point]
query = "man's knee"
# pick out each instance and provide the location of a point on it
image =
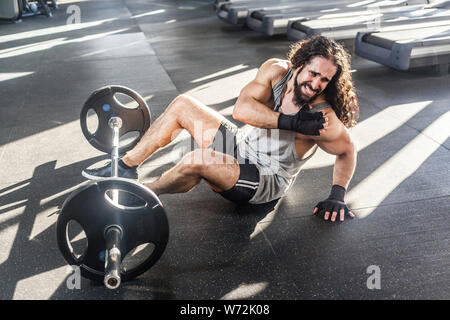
(193, 163)
(200, 161)
(181, 101)
(203, 159)
(182, 109)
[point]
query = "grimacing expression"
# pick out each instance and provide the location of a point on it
(312, 79)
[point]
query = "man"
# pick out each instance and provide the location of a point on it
(292, 107)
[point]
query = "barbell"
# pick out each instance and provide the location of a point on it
(117, 216)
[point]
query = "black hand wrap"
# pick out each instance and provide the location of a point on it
(303, 122)
(335, 201)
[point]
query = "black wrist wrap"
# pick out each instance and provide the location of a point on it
(337, 193)
(285, 122)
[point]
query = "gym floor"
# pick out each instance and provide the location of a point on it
(400, 190)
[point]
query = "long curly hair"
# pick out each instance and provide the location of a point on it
(340, 92)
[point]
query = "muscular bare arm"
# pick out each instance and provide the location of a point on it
(336, 140)
(255, 103)
(251, 106)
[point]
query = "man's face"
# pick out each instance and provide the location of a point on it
(312, 79)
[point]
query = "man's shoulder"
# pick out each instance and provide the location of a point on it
(321, 105)
(279, 63)
(275, 69)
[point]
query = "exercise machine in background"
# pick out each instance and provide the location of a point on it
(14, 10)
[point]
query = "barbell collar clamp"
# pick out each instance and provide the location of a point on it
(115, 122)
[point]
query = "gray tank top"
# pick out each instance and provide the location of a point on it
(273, 152)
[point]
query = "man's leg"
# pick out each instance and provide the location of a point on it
(219, 170)
(184, 112)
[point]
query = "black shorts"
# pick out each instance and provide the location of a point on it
(245, 188)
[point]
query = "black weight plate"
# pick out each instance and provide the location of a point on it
(94, 212)
(104, 103)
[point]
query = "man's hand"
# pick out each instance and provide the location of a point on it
(308, 123)
(334, 204)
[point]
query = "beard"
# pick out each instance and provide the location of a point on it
(300, 99)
